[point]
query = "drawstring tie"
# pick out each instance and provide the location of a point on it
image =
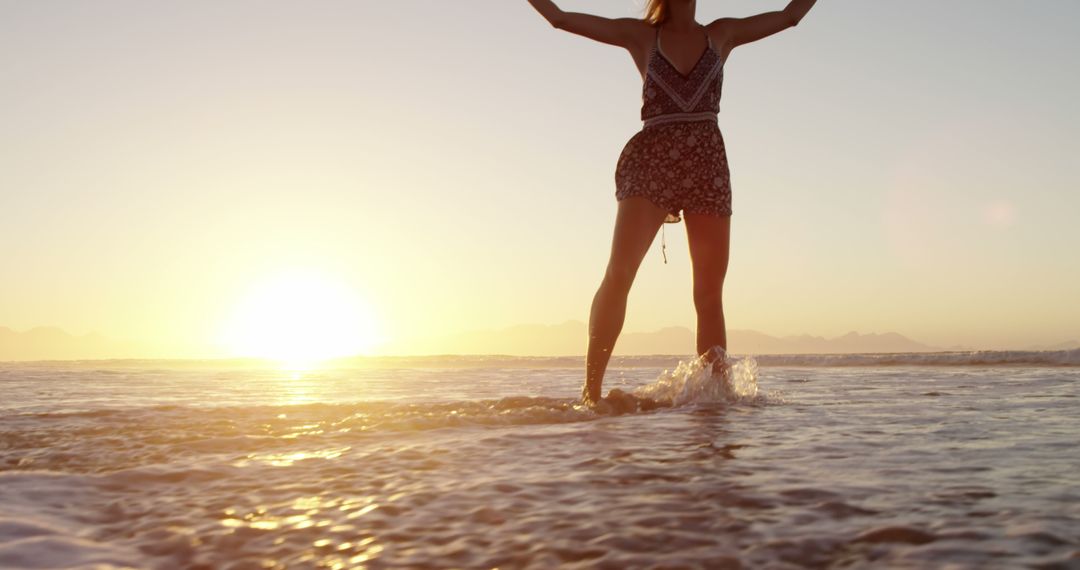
(663, 244)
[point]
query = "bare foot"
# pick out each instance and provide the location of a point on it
(618, 402)
(601, 406)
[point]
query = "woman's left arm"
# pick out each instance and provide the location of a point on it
(754, 28)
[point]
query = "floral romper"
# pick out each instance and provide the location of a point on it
(678, 160)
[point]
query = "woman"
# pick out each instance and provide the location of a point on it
(676, 163)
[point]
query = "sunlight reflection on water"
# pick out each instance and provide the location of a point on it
(886, 466)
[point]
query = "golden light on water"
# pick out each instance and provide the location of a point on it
(299, 319)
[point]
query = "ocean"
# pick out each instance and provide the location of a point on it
(951, 460)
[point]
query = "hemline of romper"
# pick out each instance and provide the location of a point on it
(674, 211)
(675, 216)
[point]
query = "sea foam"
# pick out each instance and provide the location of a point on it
(711, 378)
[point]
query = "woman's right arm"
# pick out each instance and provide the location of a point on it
(623, 32)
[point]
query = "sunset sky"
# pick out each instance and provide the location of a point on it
(449, 166)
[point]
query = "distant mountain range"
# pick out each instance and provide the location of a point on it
(569, 338)
(566, 339)
(51, 343)
(1070, 345)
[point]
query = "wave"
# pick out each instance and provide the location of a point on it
(694, 381)
(98, 441)
(976, 358)
(61, 439)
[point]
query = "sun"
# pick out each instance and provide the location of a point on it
(299, 318)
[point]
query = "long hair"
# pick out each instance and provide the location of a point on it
(656, 11)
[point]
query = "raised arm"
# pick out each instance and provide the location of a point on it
(746, 30)
(623, 32)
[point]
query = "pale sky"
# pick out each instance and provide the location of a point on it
(896, 166)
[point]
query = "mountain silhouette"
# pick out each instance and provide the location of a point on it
(565, 339)
(569, 338)
(51, 343)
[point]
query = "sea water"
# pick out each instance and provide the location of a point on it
(959, 460)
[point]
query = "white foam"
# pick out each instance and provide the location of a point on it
(712, 378)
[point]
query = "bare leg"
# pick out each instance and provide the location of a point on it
(635, 227)
(710, 240)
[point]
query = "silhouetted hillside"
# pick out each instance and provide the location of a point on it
(569, 338)
(51, 343)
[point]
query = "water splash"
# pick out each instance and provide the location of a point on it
(713, 377)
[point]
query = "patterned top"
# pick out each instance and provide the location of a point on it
(669, 96)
